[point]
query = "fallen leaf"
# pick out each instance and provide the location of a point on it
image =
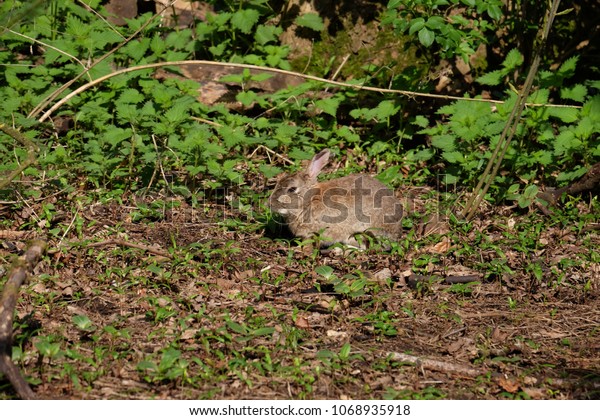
(508, 385)
(302, 322)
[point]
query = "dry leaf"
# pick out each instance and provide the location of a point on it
(302, 322)
(508, 385)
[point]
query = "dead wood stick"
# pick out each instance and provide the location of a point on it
(587, 182)
(437, 365)
(16, 277)
(120, 242)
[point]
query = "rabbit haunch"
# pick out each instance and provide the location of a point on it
(338, 209)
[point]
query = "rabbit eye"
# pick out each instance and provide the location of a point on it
(292, 190)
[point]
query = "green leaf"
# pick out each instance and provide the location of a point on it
(311, 20)
(265, 34)
(576, 93)
(569, 176)
(386, 109)
(492, 78)
(325, 271)
(237, 328)
(567, 115)
(245, 19)
(565, 141)
(147, 365)
(448, 179)
(528, 196)
(131, 96)
(219, 50)
(345, 351)
(494, 12)
(584, 129)
(567, 69)
(83, 322)
(543, 157)
(540, 96)
(269, 171)
(177, 113)
(246, 98)
(261, 77)
(416, 25)
(390, 174)
(420, 156)
(446, 142)
(453, 157)
(421, 121)
(328, 105)
(263, 331)
(169, 357)
(435, 22)
(513, 59)
(426, 37)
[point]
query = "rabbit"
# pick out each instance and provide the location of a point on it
(338, 209)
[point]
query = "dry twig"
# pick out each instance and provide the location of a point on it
(119, 242)
(438, 365)
(17, 276)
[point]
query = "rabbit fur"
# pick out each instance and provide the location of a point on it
(338, 209)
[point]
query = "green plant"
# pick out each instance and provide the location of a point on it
(83, 323)
(338, 360)
(48, 347)
(440, 31)
(171, 366)
(550, 140)
(383, 322)
(351, 285)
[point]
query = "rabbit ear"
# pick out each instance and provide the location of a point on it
(318, 162)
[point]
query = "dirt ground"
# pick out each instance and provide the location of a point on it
(509, 334)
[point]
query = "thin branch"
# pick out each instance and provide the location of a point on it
(510, 128)
(99, 16)
(430, 364)
(271, 70)
(37, 41)
(16, 278)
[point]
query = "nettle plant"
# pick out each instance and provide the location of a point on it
(131, 127)
(552, 145)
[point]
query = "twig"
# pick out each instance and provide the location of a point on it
(266, 69)
(437, 365)
(159, 163)
(270, 151)
(37, 41)
(337, 71)
(512, 123)
(205, 121)
(17, 276)
(99, 16)
(121, 242)
(589, 181)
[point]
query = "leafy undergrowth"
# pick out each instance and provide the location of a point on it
(156, 297)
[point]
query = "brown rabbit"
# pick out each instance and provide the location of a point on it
(337, 209)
